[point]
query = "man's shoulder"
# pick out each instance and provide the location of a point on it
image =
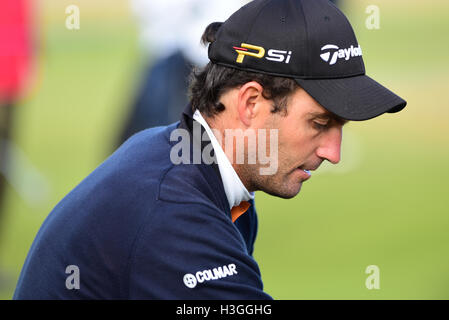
(133, 179)
(119, 193)
(135, 168)
(190, 183)
(145, 161)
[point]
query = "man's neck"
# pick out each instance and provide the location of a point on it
(221, 132)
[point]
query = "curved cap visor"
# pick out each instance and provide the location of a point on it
(354, 98)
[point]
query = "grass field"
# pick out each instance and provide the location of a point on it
(386, 204)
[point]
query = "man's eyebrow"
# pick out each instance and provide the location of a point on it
(328, 116)
(322, 115)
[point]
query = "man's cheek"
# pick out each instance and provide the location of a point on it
(268, 153)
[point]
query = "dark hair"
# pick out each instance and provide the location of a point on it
(208, 85)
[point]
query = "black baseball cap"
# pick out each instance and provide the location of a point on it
(308, 40)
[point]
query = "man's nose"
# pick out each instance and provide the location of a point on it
(330, 147)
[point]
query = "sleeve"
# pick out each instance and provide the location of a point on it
(192, 251)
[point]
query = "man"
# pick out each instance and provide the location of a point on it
(170, 215)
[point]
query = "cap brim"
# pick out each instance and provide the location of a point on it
(355, 98)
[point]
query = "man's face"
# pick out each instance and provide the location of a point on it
(307, 135)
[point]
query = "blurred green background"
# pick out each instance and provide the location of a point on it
(385, 204)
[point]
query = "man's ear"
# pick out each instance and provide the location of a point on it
(249, 101)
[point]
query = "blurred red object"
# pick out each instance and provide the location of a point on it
(15, 48)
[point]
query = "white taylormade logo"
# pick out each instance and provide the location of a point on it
(191, 280)
(333, 53)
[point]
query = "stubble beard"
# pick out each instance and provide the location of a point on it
(278, 184)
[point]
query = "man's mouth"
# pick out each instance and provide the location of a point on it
(306, 170)
(304, 174)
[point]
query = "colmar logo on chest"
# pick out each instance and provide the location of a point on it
(191, 280)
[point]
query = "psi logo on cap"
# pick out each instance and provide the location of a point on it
(273, 54)
(243, 51)
(339, 53)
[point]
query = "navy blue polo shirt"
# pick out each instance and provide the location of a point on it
(141, 227)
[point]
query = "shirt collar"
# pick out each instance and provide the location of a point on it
(235, 191)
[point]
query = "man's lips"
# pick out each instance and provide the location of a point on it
(304, 174)
(307, 170)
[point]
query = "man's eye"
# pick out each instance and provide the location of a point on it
(320, 126)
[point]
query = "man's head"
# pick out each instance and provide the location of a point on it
(306, 133)
(277, 64)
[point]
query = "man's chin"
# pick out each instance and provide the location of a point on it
(286, 191)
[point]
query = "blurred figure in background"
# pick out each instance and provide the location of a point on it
(169, 33)
(15, 63)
